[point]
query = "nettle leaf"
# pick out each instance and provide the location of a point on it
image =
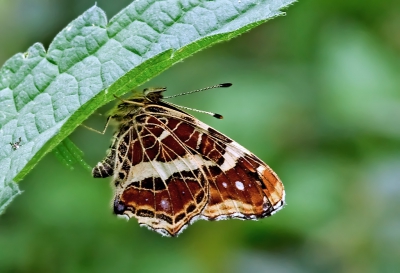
(45, 95)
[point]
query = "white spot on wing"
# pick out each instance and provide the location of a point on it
(164, 135)
(165, 169)
(199, 141)
(239, 185)
(231, 156)
(164, 204)
(261, 169)
(224, 185)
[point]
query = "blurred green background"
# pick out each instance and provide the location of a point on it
(315, 94)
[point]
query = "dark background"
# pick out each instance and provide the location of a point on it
(315, 94)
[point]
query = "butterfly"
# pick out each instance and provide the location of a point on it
(170, 169)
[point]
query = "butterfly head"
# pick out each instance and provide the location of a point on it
(130, 106)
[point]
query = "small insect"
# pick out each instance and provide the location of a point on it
(16, 145)
(169, 169)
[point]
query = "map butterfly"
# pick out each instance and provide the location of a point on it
(169, 169)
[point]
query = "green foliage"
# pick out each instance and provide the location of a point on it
(45, 95)
(70, 155)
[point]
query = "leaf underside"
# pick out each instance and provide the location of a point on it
(45, 95)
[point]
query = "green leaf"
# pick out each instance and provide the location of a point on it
(45, 95)
(69, 154)
(8, 191)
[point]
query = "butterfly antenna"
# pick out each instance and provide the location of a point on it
(200, 90)
(215, 115)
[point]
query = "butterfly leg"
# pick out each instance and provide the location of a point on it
(97, 131)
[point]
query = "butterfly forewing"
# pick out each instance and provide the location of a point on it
(170, 169)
